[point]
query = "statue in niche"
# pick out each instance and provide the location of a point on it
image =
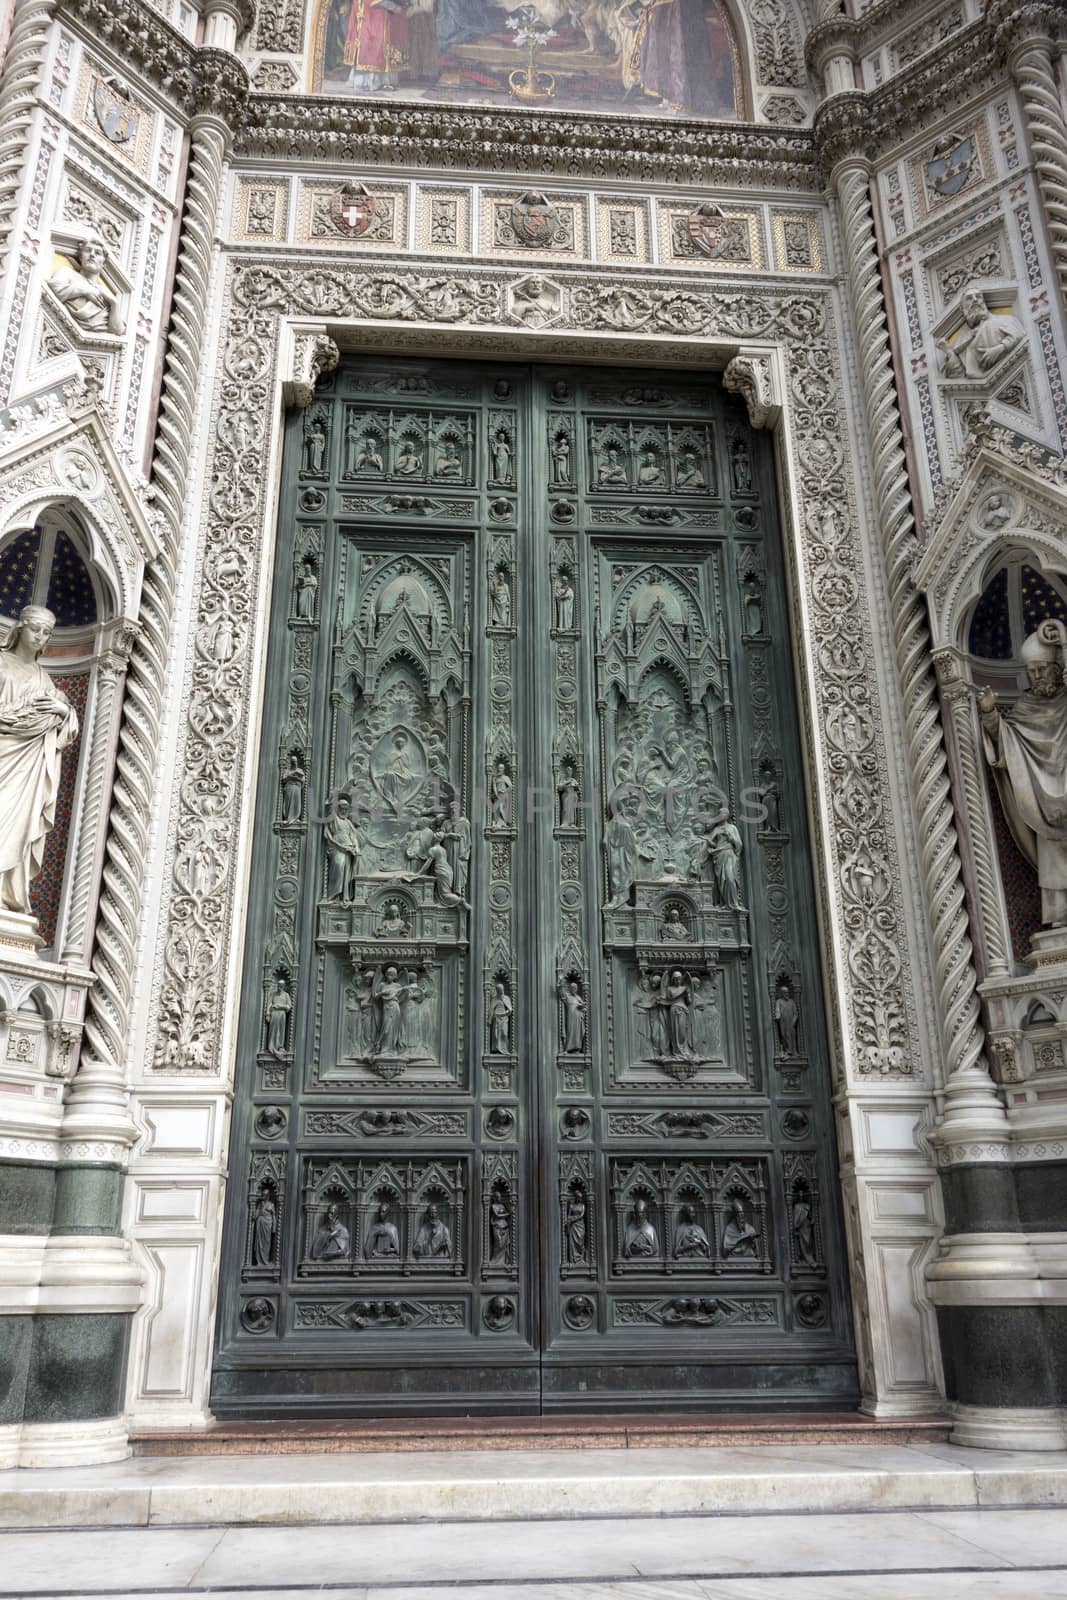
(344, 847)
(332, 1238)
(651, 1017)
(500, 600)
(394, 924)
(564, 596)
(83, 291)
(676, 998)
(621, 843)
(575, 1228)
(569, 793)
(672, 930)
(368, 455)
(37, 722)
(279, 1008)
(985, 342)
(803, 1223)
(573, 1017)
(314, 452)
(707, 1021)
(689, 1237)
(688, 474)
(382, 1236)
(264, 1227)
(641, 1238)
(786, 1018)
(1026, 746)
(649, 471)
(293, 790)
(499, 1231)
(752, 600)
(561, 461)
(408, 464)
(458, 835)
(502, 454)
(740, 467)
(724, 851)
(501, 789)
(307, 588)
(434, 1238)
(739, 1237)
(448, 464)
(500, 1010)
(611, 471)
(388, 993)
(770, 798)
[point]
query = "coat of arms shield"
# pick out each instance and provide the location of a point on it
(950, 167)
(352, 210)
(116, 115)
(708, 230)
(534, 220)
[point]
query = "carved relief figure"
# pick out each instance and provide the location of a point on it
(803, 1222)
(641, 1238)
(439, 868)
(689, 1237)
(83, 291)
(502, 456)
(382, 1236)
(568, 792)
(344, 847)
(689, 475)
(724, 847)
(264, 1227)
(307, 585)
(500, 1009)
(564, 603)
(651, 1018)
(672, 929)
(314, 451)
(739, 1237)
(786, 1017)
(279, 1006)
(752, 596)
(388, 991)
(37, 722)
(500, 601)
(649, 471)
(434, 1238)
(985, 342)
(561, 461)
(499, 1231)
(332, 1238)
(611, 472)
(293, 790)
(740, 467)
(573, 1017)
(707, 1021)
(575, 1228)
(1026, 746)
(501, 792)
(621, 842)
(408, 464)
(394, 924)
(458, 835)
(676, 999)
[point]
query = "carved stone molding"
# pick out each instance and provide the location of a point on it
(753, 377)
(314, 354)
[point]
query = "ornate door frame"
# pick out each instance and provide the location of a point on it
(282, 325)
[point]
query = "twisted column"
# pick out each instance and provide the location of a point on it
(18, 100)
(119, 913)
(968, 1088)
(1035, 73)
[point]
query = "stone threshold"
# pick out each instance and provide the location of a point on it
(563, 1432)
(524, 1485)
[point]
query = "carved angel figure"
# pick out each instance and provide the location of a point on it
(85, 294)
(37, 722)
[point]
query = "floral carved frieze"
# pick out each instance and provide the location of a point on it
(857, 844)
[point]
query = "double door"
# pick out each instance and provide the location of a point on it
(532, 1103)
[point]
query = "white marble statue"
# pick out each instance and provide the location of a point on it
(986, 340)
(37, 722)
(1026, 745)
(85, 294)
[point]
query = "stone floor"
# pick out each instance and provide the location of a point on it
(945, 1555)
(918, 1522)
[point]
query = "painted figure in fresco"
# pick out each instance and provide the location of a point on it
(434, 1238)
(1026, 746)
(375, 42)
(673, 57)
(500, 1009)
(382, 1236)
(641, 1237)
(37, 722)
(573, 1017)
(689, 1237)
(279, 1006)
(331, 1239)
(83, 291)
(344, 847)
(739, 1237)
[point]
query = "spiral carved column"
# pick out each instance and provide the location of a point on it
(969, 1090)
(101, 1071)
(18, 99)
(1034, 71)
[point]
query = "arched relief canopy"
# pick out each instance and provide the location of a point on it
(73, 464)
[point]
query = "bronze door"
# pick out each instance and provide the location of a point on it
(532, 1103)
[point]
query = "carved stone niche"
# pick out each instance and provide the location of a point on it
(1007, 510)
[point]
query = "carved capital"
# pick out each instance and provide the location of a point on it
(314, 354)
(831, 36)
(844, 129)
(752, 376)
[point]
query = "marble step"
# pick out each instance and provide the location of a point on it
(516, 1485)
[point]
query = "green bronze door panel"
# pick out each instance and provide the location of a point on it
(532, 1101)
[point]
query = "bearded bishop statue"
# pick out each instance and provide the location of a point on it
(1026, 746)
(37, 722)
